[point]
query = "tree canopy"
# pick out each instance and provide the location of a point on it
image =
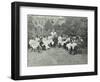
(43, 25)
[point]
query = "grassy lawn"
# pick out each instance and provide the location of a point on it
(54, 56)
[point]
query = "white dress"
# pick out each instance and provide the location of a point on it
(69, 46)
(34, 44)
(46, 42)
(50, 40)
(73, 45)
(53, 34)
(59, 40)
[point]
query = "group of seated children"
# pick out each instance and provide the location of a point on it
(69, 43)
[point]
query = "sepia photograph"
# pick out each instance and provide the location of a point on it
(56, 40)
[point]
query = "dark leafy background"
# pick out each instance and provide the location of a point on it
(71, 26)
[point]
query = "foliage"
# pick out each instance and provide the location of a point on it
(43, 25)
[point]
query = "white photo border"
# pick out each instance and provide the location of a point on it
(25, 71)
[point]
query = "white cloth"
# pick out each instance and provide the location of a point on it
(50, 40)
(46, 43)
(73, 45)
(59, 39)
(69, 45)
(53, 34)
(34, 44)
(37, 39)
